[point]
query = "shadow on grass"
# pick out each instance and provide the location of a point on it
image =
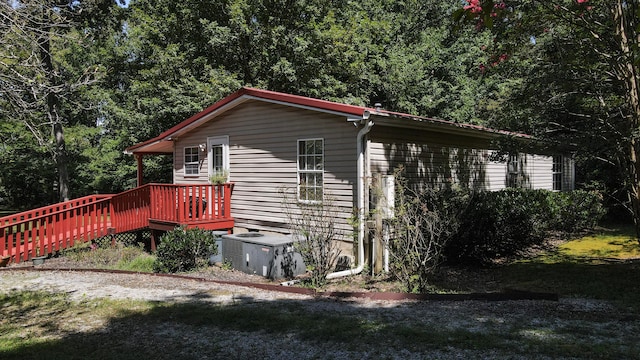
(625, 245)
(618, 281)
(33, 327)
(569, 277)
(604, 265)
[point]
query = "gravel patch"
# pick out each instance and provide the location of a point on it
(80, 285)
(519, 325)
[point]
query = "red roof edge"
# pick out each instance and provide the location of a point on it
(305, 101)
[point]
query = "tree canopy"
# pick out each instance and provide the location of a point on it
(579, 82)
(109, 75)
(82, 80)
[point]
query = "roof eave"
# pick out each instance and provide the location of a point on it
(447, 127)
(156, 147)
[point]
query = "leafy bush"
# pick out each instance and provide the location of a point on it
(504, 224)
(478, 228)
(315, 224)
(424, 221)
(576, 211)
(184, 249)
(496, 225)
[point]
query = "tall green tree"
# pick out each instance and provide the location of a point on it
(122, 74)
(583, 83)
(157, 74)
(40, 82)
(171, 59)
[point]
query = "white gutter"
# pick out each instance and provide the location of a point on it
(361, 174)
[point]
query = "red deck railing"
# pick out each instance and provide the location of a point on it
(130, 209)
(171, 203)
(45, 230)
(190, 204)
(51, 228)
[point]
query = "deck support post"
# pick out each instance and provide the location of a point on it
(154, 235)
(140, 169)
(112, 234)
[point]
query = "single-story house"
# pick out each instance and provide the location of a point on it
(264, 141)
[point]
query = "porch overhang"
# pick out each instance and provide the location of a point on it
(157, 147)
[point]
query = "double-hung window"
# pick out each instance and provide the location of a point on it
(557, 172)
(310, 170)
(192, 160)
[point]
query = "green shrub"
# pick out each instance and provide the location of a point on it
(496, 225)
(184, 249)
(425, 221)
(504, 224)
(576, 211)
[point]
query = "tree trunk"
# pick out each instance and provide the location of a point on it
(628, 40)
(59, 150)
(61, 162)
(59, 147)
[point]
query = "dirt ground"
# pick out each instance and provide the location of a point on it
(578, 322)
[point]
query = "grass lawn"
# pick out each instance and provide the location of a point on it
(605, 245)
(603, 266)
(40, 325)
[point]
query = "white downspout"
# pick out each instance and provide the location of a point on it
(386, 247)
(361, 186)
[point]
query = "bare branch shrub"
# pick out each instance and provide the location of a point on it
(425, 219)
(314, 223)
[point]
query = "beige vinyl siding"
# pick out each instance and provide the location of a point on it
(536, 173)
(496, 175)
(263, 140)
(433, 159)
(541, 171)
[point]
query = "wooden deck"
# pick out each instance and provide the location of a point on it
(158, 207)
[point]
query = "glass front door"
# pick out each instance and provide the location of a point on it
(218, 159)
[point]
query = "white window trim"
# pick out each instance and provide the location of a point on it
(217, 141)
(557, 171)
(197, 162)
(300, 171)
